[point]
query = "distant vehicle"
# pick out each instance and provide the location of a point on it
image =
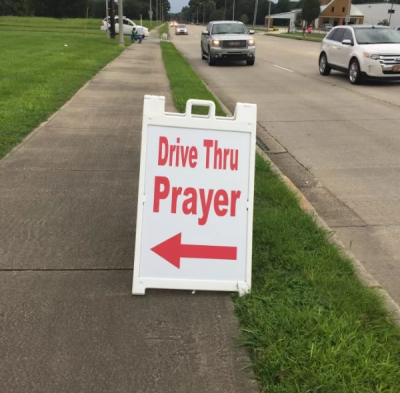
(181, 29)
(225, 40)
(326, 27)
(397, 29)
(361, 51)
(128, 26)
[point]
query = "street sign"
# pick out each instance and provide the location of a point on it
(195, 203)
(391, 11)
(347, 19)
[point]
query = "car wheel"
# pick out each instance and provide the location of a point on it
(324, 68)
(203, 56)
(250, 62)
(211, 60)
(355, 75)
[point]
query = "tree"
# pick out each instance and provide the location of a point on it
(282, 6)
(311, 10)
(299, 20)
(383, 22)
(244, 18)
(216, 15)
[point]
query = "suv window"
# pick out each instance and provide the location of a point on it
(348, 35)
(338, 35)
(330, 35)
(229, 28)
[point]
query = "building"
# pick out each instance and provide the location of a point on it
(377, 12)
(332, 11)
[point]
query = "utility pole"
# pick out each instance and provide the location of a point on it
(107, 19)
(391, 13)
(151, 15)
(156, 10)
(233, 15)
(225, 9)
(204, 13)
(197, 13)
(269, 14)
(348, 12)
(255, 14)
(121, 23)
(112, 19)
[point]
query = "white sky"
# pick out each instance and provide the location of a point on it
(176, 5)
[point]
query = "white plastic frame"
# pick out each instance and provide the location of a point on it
(244, 120)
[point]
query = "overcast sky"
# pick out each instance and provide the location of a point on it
(176, 5)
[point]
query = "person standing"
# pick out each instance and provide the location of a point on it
(140, 33)
(309, 29)
(304, 30)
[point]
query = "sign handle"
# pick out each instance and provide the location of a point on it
(191, 103)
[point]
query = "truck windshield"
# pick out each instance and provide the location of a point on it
(376, 35)
(229, 28)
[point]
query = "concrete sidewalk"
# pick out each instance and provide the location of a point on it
(68, 321)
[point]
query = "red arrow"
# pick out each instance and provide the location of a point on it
(172, 250)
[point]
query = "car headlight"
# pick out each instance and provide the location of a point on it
(216, 43)
(371, 56)
(251, 42)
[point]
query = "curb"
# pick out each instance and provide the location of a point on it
(362, 273)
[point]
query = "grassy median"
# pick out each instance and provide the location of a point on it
(314, 37)
(308, 323)
(44, 61)
(181, 77)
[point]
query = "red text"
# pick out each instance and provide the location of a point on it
(191, 201)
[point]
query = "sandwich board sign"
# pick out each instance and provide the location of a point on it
(195, 200)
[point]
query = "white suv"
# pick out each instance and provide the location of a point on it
(360, 51)
(128, 26)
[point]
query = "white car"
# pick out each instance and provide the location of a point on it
(128, 26)
(181, 29)
(361, 51)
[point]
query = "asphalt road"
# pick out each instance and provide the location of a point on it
(338, 143)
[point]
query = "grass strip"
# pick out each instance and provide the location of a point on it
(184, 81)
(308, 323)
(163, 29)
(295, 36)
(36, 83)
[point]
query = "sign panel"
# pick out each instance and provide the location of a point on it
(195, 203)
(347, 19)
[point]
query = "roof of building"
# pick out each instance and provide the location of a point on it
(354, 11)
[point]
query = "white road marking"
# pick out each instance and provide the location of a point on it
(283, 68)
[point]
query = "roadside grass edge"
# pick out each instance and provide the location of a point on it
(296, 37)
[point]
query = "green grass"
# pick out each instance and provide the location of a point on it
(299, 36)
(39, 73)
(164, 29)
(181, 77)
(38, 24)
(309, 324)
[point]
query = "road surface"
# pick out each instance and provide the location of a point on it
(340, 144)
